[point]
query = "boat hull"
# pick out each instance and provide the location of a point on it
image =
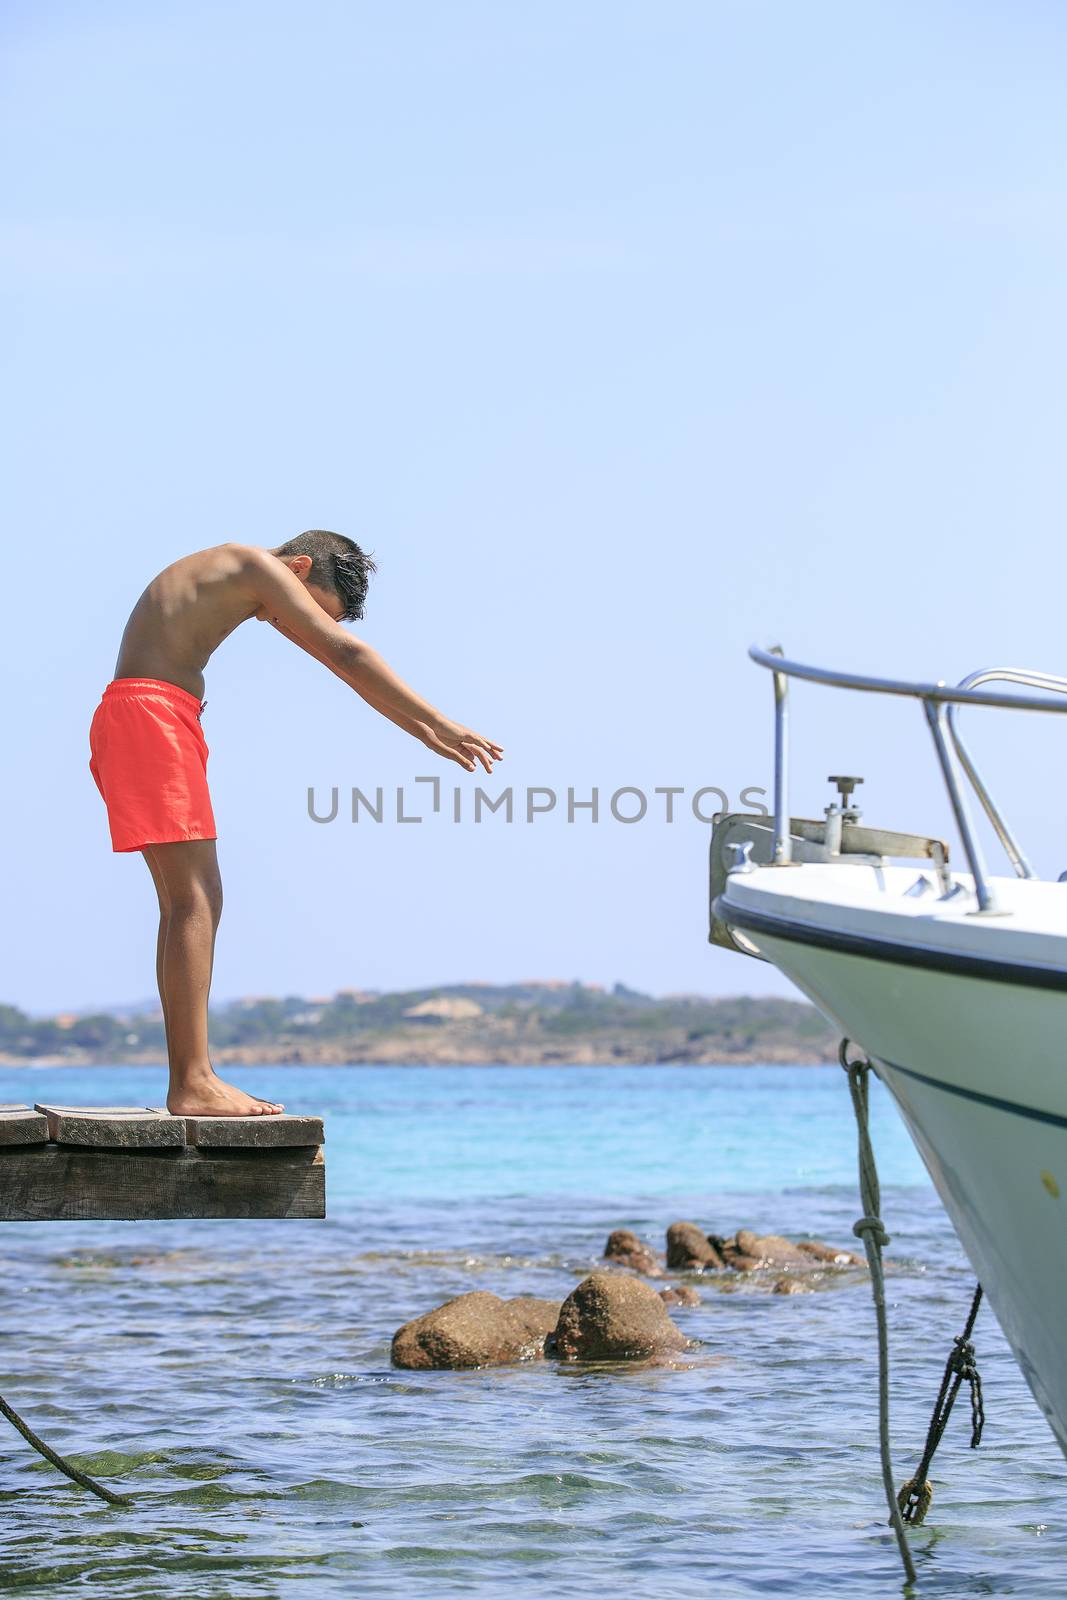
(977, 1069)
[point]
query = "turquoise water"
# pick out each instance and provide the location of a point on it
(235, 1378)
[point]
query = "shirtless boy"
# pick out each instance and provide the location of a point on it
(149, 757)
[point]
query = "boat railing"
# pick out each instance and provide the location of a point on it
(940, 703)
(1031, 680)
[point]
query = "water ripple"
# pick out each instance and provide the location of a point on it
(235, 1378)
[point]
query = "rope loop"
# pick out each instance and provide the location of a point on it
(860, 1067)
(914, 1500)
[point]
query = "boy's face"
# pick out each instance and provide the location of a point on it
(332, 604)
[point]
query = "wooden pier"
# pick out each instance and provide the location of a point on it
(138, 1163)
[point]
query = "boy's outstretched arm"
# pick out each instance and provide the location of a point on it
(282, 600)
(446, 738)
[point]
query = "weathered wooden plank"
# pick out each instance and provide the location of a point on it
(114, 1127)
(20, 1125)
(253, 1133)
(65, 1182)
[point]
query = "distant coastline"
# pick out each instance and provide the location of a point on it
(519, 1024)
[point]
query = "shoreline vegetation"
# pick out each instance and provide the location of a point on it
(481, 1024)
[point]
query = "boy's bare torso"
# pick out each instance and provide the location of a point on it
(185, 614)
(192, 606)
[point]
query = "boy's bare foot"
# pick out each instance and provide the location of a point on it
(206, 1095)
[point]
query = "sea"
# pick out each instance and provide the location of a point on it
(234, 1377)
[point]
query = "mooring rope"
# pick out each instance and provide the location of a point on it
(869, 1228)
(60, 1461)
(961, 1367)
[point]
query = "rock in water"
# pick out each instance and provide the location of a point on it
(538, 1317)
(630, 1251)
(689, 1249)
(830, 1254)
(749, 1251)
(679, 1294)
(768, 1250)
(475, 1330)
(612, 1318)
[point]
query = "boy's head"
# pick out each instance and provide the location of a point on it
(332, 564)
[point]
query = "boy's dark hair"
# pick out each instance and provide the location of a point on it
(337, 563)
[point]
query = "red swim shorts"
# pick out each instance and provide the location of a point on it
(149, 759)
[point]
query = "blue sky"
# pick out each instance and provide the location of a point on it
(624, 335)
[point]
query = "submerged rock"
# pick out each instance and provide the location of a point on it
(789, 1285)
(612, 1318)
(628, 1250)
(830, 1254)
(476, 1330)
(748, 1251)
(679, 1294)
(689, 1249)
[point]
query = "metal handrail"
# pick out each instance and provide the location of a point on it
(938, 702)
(1034, 680)
(773, 658)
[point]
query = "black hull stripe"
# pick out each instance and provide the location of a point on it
(900, 955)
(1011, 1106)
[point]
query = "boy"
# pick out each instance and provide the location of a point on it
(149, 758)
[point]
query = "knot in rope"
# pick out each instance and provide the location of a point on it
(961, 1367)
(873, 1226)
(963, 1363)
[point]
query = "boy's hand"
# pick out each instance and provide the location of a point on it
(459, 744)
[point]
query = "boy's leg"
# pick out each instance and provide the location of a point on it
(187, 875)
(161, 938)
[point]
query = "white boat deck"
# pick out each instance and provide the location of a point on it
(1028, 927)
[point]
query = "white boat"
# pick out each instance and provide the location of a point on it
(954, 985)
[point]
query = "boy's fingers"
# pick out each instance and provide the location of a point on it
(484, 757)
(459, 756)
